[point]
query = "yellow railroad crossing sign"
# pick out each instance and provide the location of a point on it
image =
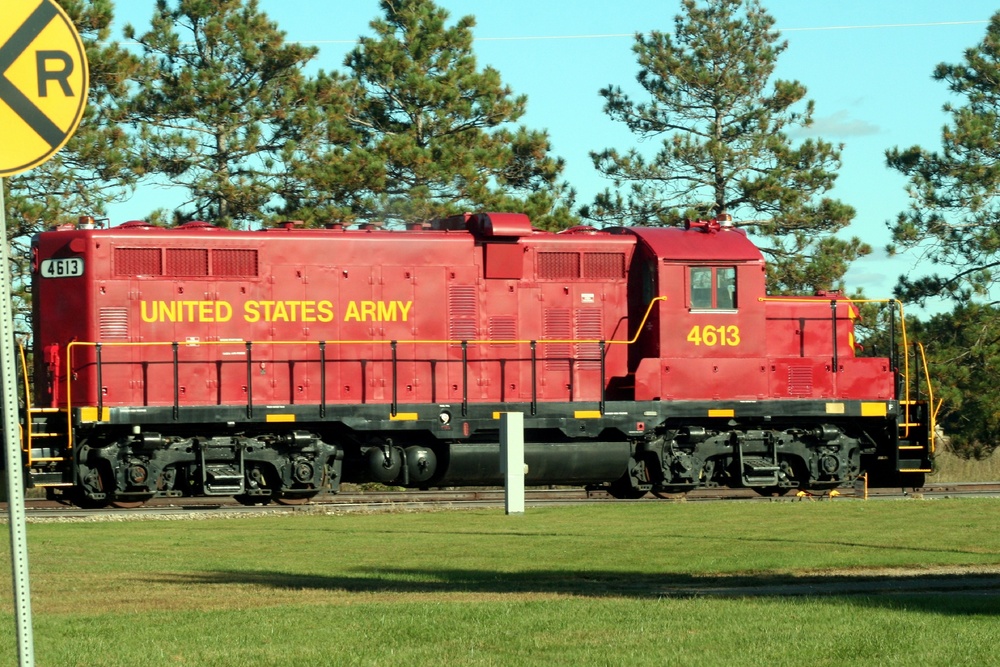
(43, 82)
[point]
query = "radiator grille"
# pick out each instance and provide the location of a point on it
(138, 262)
(603, 265)
(558, 326)
(113, 323)
(800, 380)
(234, 262)
(187, 262)
(558, 265)
(462, 313)
(589, 326)
(503, 327)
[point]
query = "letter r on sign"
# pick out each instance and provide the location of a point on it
(60, 75)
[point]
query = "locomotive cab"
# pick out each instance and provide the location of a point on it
(707, 335)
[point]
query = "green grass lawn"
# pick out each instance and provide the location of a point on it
(621, 584)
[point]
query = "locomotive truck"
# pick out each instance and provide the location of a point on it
(277, 364)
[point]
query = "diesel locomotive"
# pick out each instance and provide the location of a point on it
(277, 364)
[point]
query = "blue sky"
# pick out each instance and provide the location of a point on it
(866, 64)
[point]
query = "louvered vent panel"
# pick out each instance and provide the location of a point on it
(558, 265)
(558, 326)
(462, 313)
(113, 323)
(800, 380)
(589, 326)
(606, 265)
(234, 262)
(187, 262)
(503, 327)
(138, 262)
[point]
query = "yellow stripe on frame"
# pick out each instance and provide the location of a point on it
(874, 410)
(834, 408)
(722, 413)
(280, 418)
(587, 414)
(90, 414)
(404, 417)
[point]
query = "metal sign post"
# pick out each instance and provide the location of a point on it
(43, 95)
(12, 451)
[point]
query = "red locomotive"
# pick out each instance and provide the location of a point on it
(276, 364)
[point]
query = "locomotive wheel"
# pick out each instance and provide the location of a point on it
(667, 494)
(129, 504)
(83, 502)
(622, 489)
(295, 500)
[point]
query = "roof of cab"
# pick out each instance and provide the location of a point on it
(698, 243)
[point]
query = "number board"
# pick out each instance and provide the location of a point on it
(69, 267)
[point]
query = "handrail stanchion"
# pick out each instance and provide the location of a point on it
(534, 377)
(465, 378)
(833, 327)
(177, 382)
(100, 383)
(249, 379)
(322, 379)
(392, 406)
(603, 372)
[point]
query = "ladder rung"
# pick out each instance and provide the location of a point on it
(49, 459)
(915, 470)
(912, 447)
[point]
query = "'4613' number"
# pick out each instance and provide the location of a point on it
(712, 335)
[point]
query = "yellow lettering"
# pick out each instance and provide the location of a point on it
(404, 309)
(168, 311)
(308, 311)
(280, 313)
(386, 311)
(185, 311)
(325, 309)
(251, 312)
(367, 310)
(352, 312)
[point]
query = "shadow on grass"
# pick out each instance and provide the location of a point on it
(962, 593)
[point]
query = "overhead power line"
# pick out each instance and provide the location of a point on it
(620, 35)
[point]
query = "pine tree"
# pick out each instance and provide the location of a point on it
(429, 133)
(954, 212)
(721, 123)
(94, 169)
(963, 350)
(213, 106)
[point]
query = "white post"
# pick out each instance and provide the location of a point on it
(15, 475)
(512, 461)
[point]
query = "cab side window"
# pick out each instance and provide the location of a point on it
(712, 287)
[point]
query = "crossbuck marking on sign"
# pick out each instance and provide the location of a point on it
(14, 98)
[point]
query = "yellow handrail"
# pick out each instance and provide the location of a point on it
(26, 438)
(931, 410)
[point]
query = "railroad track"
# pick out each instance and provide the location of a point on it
(40, 509)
